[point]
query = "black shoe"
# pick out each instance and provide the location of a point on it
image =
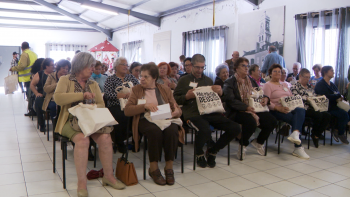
(210, 158)
(315, 140)
(31, 113)
(42, 129)
(201, 162)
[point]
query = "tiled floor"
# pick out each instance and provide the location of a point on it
(26, 168)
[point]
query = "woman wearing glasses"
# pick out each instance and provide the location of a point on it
(275, 90)
(112, 97)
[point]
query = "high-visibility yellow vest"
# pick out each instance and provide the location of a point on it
(24, 75)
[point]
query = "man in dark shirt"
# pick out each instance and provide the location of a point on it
(294, 76)
(188, 66)
(231, 62)
(184, 96)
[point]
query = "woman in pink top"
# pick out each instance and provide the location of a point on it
(275, 90)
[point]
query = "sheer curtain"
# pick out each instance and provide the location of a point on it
(323, 38)
(132, 50)
(210, 42)
(62, 51)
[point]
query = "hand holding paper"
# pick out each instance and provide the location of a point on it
(163, 112)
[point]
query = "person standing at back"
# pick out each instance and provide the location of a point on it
(24, 67)
(272, 58)
(14, 62)
(231, 62)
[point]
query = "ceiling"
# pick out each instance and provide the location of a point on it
(71, 15)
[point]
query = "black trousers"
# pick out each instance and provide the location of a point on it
(267, 124)
(320, 121)
(27, 85)
(159, 140)
(39, 111)
(119, 132)
(218, 121)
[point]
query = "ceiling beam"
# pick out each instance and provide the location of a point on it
(253, 2)
(139, 3)
(47, 27)
(107, 18)
(75, 17)
(29, 12)
(38, 20)
(19, 2)
(150, 19)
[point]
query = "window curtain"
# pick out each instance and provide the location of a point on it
(129, 50)
(210, 42)
(63, 47)
(323, 38)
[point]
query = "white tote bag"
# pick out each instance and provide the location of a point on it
(343, 105)
(91, 119)
(319, 103)
(255, 100)
(125, 88)
(292, 102)
(11, 84)
(208, 101)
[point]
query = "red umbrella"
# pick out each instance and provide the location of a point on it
(104, 46)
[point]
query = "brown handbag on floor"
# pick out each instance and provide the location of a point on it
(125, 171)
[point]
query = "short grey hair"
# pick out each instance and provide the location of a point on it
(81, 61)
(118, 61)
(297, 64)
(285, 70)
(220, 67)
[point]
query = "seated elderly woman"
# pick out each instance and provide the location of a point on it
(145, 98)
(320, 120)
(174, 71)
(255, 73)
(317, 75)
(112, 97)
(37, 87)
(71, 90)
(135, 70)
(330, 90)
(98, 77)
(284, 77)
(222, 72)
(164, 78)
(62, 69)
(275, 90)
(237, 91)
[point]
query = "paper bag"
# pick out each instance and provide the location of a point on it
(164, 112)
(256, 104)
(11, 84)
(125, 89)
(292, 102)
(319, 103)
(208, 101)
(343, 105)
(91, 118)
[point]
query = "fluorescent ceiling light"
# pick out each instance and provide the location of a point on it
(98, 9)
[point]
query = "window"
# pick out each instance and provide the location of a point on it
(132, 51)
(58, 55)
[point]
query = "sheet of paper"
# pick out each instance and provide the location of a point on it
(164, 112)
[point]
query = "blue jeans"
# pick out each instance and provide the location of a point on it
(295, 118)
(342, 119)
(52, 107)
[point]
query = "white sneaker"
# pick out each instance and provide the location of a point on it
(239, 152)
(294, 137)
(259, 147)
(300, 152)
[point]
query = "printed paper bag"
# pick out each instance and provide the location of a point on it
(208, 101)
(256, 104)
(343, 105)
(125, 88)
(91, 119)
(292, 102)
(319, 103)
(11, 84)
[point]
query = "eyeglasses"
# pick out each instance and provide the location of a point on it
(245, 65)
(275, 71)
(198, 67)
(124, 64)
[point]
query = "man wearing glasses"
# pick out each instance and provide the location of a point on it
(188, 66)
(184, 96)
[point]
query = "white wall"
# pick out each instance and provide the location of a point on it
(38, 38)
(202, 17)
(294, 7)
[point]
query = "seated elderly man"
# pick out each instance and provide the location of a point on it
(70, 91)
(184, 96)
(221, 74)
(320, 119)
(294, 76)
(255, 73)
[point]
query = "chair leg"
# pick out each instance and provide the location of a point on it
(192, 136)
(95, 152)
(324, 141)
(228, 153)
(331, 136)
(64, 146)
(194, 155)
(48, 127)
(185, 138)
(182, 158)
(279, 143)
(144, 156)
(54, 154)
(241, 140)
(308, 137)
(266, 146)
(216, 135)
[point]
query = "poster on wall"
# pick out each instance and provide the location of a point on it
(107, 58)
(99, 56)
(257, 31)
(161, 47)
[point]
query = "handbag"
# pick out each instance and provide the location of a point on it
(255, 100)
(343, 105)
(124, 88)
(11, 84)
(208, 101)
(292, 102)
(319, 103)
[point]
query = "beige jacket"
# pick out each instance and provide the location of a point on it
(64, 96)
(135, 110)
(49, 88)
